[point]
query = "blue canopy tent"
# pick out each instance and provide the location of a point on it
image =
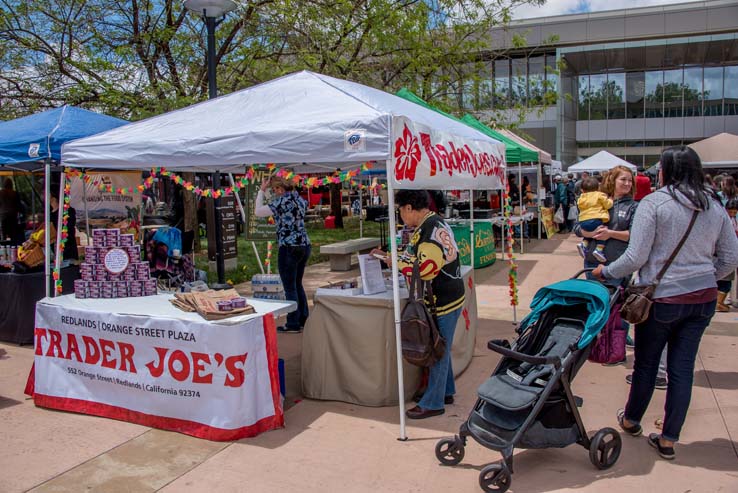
(34, 142)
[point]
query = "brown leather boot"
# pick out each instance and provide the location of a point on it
(721, 306)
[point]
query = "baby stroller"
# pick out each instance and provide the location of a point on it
(528, 401)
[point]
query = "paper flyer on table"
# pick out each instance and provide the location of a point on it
(372, 280)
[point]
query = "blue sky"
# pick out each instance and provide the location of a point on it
(561, 7)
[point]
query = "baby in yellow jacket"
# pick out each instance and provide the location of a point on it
(594, 209)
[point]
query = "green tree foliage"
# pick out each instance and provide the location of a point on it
(138, 58)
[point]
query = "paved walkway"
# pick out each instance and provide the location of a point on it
(337, 447)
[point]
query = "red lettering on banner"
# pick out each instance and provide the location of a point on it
(126, 357)
(462, 160)
(73, 348)
(39, 334)
(198, 367)
(92, 352)
(106, 348)
(181, 374)
(95, 350)
(55, 350)
(157, 370)
(236, 376)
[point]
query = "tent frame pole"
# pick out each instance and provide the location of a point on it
(396, 302)
(47, 222)
(59, 221)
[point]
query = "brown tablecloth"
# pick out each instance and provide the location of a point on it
(348, 348)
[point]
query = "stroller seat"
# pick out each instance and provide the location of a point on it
(519, 387)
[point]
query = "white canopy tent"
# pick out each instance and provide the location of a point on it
(602, 161)
(312, 118)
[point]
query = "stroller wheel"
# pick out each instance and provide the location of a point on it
(495, 477)
(604, 448)
(450, 451)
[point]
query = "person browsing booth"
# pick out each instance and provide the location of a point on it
(434, 247)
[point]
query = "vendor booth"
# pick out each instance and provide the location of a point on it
(602, 161)
(303, 117)
(718, 151)
(34, 143)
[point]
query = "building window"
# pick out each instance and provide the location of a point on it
(731, 90)
(654, 94)
(519, 86)
(502, 83)
(584, 94)
(552, 74)
(672, 89)
(615, 96)
(598, 93)
(536, 78)
(712, 93)
(635, 90)
(692, 91)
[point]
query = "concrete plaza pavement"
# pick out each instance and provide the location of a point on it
(339, 447)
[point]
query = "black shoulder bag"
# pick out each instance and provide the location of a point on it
(422, 343)
(638, 299)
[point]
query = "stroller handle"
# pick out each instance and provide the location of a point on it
(583, 271)
(533, 360)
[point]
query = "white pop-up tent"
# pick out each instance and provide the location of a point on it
(602, 161)
(718, 151)
(308, 117)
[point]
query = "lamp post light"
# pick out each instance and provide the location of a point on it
(212, 10)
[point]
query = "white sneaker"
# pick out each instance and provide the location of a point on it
(599, 256)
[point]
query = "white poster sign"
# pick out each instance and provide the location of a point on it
(425, 158)
(105, 208)
(207, 380)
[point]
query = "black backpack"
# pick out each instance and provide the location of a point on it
(422, 343)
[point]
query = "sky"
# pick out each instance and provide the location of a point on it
(560, 7)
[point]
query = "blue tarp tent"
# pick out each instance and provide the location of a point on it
(26, 142)
(34, 142)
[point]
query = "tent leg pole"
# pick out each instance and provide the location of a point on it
(87, 215)
(471, 228)
(258, 259)
(59, 221)
(538, 201)
(396, 302)
(520, 199)
(504, 224)
(47, 221)
(361, 218)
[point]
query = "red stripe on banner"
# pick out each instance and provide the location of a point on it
(31, 382)
(192, 428)
(270, 334)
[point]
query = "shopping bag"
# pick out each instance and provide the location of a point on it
(559, 216)
(573, 213)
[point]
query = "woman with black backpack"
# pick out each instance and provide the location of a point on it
(433, 246)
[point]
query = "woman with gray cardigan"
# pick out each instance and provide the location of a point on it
(685, 299)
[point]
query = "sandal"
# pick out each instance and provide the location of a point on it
(634, 430)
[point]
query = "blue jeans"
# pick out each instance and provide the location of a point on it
(291, 264)
(590, 225)
(681, 327)
(441, 375)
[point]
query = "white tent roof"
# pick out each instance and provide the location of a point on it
(302, 117)
(602, 161)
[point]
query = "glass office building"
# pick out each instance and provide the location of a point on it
(631, 81)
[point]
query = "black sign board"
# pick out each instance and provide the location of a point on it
(228, 217)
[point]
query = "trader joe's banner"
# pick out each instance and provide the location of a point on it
(106, 208)
(211, 381)
(423, 158)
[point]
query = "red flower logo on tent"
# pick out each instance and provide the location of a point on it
(407, 155)
(467, 322)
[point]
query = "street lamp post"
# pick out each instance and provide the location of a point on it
(212, 10)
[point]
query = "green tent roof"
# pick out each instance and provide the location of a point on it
(514, 152)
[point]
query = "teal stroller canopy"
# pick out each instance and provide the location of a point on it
(573, 292)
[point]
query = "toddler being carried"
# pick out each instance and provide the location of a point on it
(593, 213)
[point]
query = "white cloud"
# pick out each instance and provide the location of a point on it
(560, 7)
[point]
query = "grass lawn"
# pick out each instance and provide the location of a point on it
(248, 265)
